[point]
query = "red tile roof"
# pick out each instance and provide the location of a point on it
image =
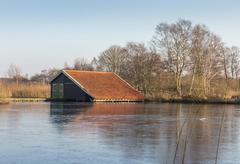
(105, 86)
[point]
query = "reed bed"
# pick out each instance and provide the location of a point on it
(24, 90)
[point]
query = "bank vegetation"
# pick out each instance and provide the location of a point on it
(182, 62)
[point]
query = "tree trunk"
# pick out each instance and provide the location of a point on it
(192, 81)
(179, 84)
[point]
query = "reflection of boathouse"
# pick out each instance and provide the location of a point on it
(92, 86)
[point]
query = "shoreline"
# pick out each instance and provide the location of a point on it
(9, 100)
(196, 101)
(171, 101)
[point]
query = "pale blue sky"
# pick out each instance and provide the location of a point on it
(38, 34)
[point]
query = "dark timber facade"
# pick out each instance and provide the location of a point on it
(62, 88)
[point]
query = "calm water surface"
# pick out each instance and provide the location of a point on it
(119, 133)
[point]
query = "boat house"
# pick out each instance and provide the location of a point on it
(88, 86)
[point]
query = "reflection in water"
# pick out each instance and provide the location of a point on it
(156, 133)
(119, 133)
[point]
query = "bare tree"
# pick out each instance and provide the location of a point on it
(234, 62)
(113, 59)
(225, 56)
(14, 72)
(66, 66)
(82, 64)
(174, 45)
(136, 63)
(212, 63)
(143, 66)
(45, 76)
(205, 59)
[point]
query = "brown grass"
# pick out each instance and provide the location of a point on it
(24, 90)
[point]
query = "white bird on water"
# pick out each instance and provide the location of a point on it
(202, 119)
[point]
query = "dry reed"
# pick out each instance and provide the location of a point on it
(24, 90)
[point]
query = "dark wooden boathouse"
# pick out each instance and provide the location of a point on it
(89, 86)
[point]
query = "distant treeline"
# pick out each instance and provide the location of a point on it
(181, 61)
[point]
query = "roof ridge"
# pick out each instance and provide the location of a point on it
(86, 71)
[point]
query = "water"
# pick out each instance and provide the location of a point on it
(119, 133)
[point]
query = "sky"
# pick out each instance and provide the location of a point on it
(42, 34)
